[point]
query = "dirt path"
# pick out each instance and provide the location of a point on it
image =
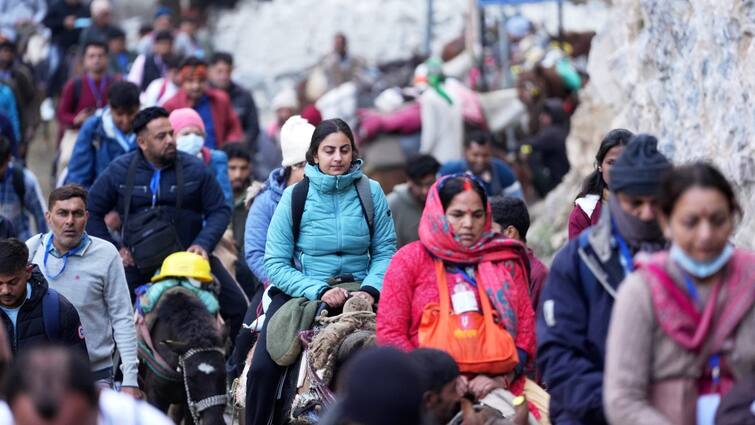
(41, 155)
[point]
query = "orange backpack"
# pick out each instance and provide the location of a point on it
(482, 346)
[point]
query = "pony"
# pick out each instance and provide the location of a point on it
(186, 366)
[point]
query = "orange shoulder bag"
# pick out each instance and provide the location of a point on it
(481, 346)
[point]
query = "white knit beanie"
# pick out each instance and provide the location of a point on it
(295, 137)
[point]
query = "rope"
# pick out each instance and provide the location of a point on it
(145, 354)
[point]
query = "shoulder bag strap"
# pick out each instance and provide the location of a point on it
(179, 182)
(128, 192)
(444, 297)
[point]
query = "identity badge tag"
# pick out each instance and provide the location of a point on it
(706, 408)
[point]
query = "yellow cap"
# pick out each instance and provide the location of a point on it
(184, 264)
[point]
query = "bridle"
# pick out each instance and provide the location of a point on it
(197, 407)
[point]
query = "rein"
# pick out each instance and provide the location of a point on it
(149, 355)
(197, 407)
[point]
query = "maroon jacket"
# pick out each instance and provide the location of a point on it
(224, 118)
(579, 220)
(538, 274)
(71, 102)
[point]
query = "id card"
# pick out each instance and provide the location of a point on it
(706, 408)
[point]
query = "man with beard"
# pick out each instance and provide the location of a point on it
(439, 374)
(579, 293)
(495, 175)
(158, 190)
(202, 215)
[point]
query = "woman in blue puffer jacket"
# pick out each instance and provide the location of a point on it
(334, 240)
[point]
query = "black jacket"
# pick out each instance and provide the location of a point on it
(204, 213)
(56, 15)
(246, 109)
(30, 326)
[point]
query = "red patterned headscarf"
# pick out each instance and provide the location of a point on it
(500, 261)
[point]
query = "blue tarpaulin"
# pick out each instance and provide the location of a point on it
(509, 2)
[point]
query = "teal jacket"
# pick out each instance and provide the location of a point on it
(334, 237)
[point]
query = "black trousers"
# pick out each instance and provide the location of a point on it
(245, 338)
(232, 299)
(264, 374)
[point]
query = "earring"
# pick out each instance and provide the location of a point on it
(600, 169)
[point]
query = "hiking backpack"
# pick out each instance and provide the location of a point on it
(299, 198)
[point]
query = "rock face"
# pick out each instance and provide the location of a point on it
(681, 70)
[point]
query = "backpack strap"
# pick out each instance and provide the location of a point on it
(364, 194)
(77, 85)
(298, 198)
(51, 314)
(19, 186)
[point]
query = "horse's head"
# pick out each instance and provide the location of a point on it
(193, 339)
(204, 376)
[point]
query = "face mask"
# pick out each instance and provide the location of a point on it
(190, 143)
(699, 269)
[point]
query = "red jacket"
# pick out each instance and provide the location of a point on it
(68, 107)
(579, 220)
(538, 274)
(225, 120)
(410, 284)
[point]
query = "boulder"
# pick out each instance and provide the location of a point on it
(681, 70)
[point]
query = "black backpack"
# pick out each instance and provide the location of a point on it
(299, 198)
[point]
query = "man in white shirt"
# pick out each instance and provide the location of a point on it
(88, 271)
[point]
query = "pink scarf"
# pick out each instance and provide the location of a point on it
(679, 317)
(499, 260)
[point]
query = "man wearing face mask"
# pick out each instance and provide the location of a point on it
(572, 321)
(190, 138)
(169, 201)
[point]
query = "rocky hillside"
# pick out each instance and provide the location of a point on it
(682, 70)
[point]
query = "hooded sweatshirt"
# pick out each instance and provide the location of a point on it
(406, 214)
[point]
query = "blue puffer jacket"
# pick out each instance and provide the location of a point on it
(217, 160)
(334, 237)
(89, 161)
(258, 220)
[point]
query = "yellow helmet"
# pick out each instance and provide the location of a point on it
(184, 264)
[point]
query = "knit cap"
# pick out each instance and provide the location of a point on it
(286, 98)
(640, 168)
(295, 137)
(382, 387)
(184, 117)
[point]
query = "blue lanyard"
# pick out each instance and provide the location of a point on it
(154, 186)
(65, 256)
(625, 255)
(714, 362)
(469, 279)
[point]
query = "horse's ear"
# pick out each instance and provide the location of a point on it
(177, 347)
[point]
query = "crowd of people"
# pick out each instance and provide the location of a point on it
(165, 182)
